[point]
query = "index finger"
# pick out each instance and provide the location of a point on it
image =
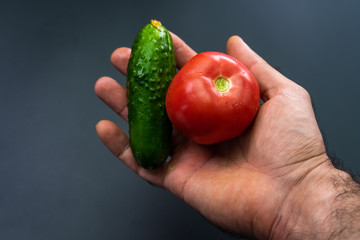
(183, 53)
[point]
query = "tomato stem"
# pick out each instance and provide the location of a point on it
(222, 84)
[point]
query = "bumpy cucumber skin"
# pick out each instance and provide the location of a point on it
(150, 70)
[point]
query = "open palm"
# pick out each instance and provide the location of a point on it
(241, 184)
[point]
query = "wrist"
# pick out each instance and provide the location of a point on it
(310, 207)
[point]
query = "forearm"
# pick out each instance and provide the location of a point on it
(345, 214)
(324, 205)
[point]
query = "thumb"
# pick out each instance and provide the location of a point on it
(270, 81)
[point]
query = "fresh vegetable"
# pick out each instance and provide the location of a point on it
(213, 98)
(150, 70)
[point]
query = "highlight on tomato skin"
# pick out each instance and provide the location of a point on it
(213, 98)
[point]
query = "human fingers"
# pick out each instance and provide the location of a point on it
(270, 81)
(183, 52)
(113, 94)
(118, 143)
(120, 58)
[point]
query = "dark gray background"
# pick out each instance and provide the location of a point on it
(57, 180)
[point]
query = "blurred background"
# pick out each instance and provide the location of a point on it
(58, 181)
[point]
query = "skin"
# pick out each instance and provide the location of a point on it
(272, 182)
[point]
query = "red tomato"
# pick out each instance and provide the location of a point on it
(212, 98)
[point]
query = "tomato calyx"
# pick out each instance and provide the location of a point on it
(222, 84)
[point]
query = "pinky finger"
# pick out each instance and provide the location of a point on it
(117, 142)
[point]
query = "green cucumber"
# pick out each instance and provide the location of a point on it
(150, 70)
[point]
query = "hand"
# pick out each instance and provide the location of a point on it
(261, 184)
